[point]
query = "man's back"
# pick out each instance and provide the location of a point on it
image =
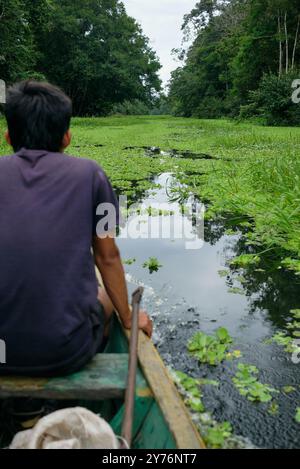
(50, 317)
(48, 288)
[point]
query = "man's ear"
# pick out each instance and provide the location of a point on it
(7, 138)
(66, 139)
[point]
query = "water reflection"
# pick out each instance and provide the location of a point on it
(188, 294)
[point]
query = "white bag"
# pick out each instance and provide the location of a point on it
(73, 428)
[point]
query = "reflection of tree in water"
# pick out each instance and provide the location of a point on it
(273, 290)
(214, 230)
(268, 287)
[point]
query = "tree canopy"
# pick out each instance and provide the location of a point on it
(91, 48)
(237, 43)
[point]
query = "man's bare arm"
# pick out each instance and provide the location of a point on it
(108, 260)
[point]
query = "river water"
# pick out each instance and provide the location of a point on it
(188, 294)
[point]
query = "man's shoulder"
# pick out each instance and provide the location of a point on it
(4, 159)
(83, 163)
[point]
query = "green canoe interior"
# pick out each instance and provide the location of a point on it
(160, 422)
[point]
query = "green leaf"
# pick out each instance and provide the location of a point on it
(210, 349)
(273, 409)
(223, 335)
(247, 384)
(297, 416)
(152, 264)
(288, 389)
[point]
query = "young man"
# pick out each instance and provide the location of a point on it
(51, 318)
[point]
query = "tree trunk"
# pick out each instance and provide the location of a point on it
(280, 45)
(286, 44)
(295, 43)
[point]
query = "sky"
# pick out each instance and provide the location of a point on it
(161, 21)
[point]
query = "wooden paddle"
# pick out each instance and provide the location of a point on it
(132, 366)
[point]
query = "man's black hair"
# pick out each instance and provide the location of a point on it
(38, 115)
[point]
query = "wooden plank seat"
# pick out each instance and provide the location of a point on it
(105, 377)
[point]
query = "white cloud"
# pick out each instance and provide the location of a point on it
(161, 21)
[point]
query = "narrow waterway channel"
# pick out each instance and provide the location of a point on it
(190, 293)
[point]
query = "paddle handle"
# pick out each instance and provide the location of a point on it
(132, 367)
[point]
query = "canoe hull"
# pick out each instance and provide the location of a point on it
(161, 420)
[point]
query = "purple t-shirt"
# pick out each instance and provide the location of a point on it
(48, 288)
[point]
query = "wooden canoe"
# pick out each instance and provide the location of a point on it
(161, 420)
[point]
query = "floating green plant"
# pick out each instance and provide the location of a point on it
(248, 385)
(223, 273)
(288, 389)
(236, 291)
(292, 264)
(191, 386)
(297, 416)
(293, 325)
(284, 340)
(273, 408)
(295, 313)
(152, 264)
(129, 261)
(234, 355)
(210, 349)
(216, 435)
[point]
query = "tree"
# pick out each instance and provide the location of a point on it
(17, 54)
(208, 62)
(237, 42)
(91, 48)
(98, 54)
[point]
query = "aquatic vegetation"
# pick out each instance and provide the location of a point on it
(295, 313)
(178, 192)
(193, 394)
(129, 261)
(241, 279)
(273, 409)
(284, 340)
(155, 212)
(292, 264)
(248, 385)
(234, 355)
(152, 264)
(208, 382)
(288, 389)
(210, 349)
(245, 260)
(223, 273)
(297, 416)
(293, 325)
(236, 291)
(230, 232)
(216, 435)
